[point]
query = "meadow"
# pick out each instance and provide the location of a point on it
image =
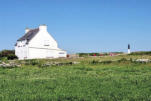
(90, 80)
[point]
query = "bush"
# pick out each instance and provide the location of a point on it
(83, 54)
(141, 53)
(106, 62)
(92, 54)
(9, 54)
(94, 62)
(11, 57)
(122, 60)
(5, 53)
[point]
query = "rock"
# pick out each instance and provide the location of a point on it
(76, 62)
(9, 65)
(143, 60)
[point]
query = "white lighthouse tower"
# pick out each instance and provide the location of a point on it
(129, 51)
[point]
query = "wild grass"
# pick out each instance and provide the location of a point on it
(116, 81)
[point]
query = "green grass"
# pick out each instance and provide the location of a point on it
(83, 82)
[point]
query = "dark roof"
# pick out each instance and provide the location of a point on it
(29, 35)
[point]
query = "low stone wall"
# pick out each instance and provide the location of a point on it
(9, 65)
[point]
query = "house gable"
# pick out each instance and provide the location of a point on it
(43, 39)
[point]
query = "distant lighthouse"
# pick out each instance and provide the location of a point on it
(129, 51)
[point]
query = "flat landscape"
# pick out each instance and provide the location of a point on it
(110, 78)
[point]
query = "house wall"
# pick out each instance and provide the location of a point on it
(43, 45)
(43, 40)
(21, 50)
(35, 53)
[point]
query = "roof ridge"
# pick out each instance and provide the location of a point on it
(32, 29)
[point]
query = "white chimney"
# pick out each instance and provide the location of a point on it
(27, 30)
(43, 27)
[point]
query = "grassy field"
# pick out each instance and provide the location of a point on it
(117, 81)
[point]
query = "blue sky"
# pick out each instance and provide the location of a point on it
(80, 25)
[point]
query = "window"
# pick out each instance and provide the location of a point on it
(46, 43)
(61, 53)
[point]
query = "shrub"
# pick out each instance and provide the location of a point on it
(122, 60)
(9, 54)
(91, 54)
(11, 57)
(106, 62)
(94, 54)
(83, 54)
(94, 62)
(141, 53)
(5, 53)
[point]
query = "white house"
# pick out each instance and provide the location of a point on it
(38, 43)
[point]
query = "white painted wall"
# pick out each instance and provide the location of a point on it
(42, 45)
(45, 53)
(129, 51)
(40, 39)
(21, 52)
